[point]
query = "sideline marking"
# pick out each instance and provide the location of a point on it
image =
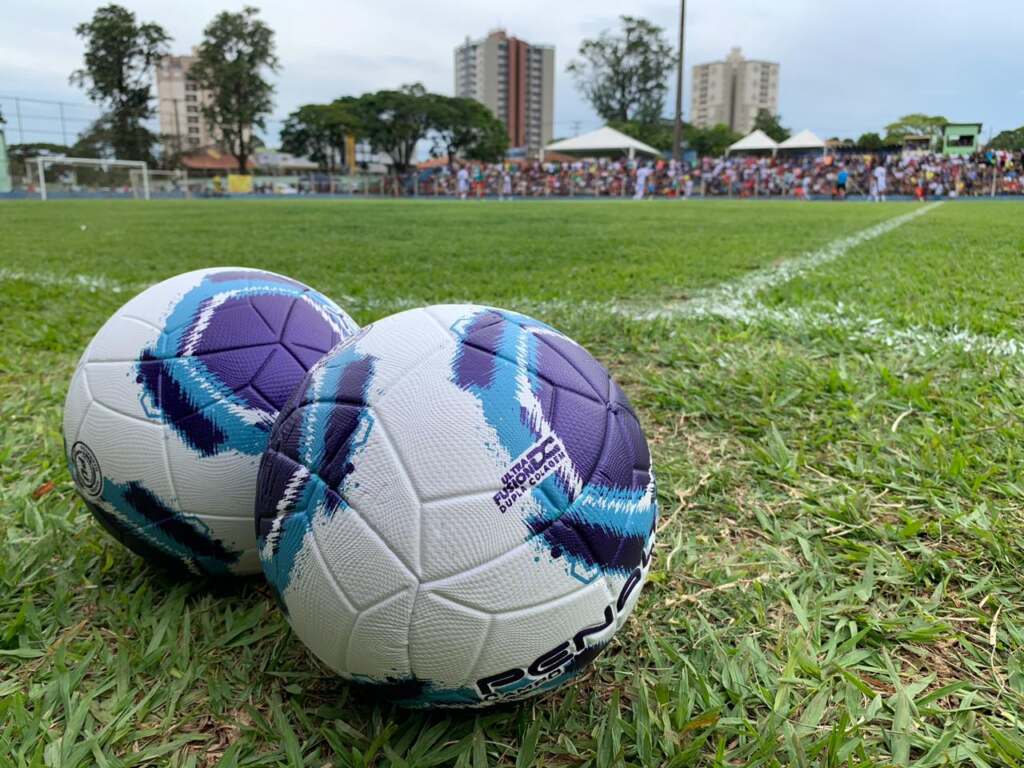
(734, 300)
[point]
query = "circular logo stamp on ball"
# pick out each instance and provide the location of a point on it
(87, 469)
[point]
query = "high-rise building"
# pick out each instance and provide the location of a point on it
(515, 80)
(179, 99)
(732, 91)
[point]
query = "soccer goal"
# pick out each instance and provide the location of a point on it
(89, 177)
(163, 184)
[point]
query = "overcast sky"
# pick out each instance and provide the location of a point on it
(848, 66)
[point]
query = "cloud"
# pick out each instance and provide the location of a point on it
(848, 66)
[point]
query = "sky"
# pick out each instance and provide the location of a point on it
(847, 66)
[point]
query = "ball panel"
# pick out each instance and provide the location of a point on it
(75, 405)
(378, 646)
(118, 338)
(439, 623)
(398, 344)
(515, 580)
(438, 445)
(530, 486)
(466, 533)
(126, 449)
(189, 368)
(378, 487)
(325, 615)
(358, 557)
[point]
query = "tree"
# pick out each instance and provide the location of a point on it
(657, 134)
(237, 49)
(319, 131)
(771, 125)
(712, 142)
(915, 124)
(465, 127)
(870, 141)
(120, 54)
(1008, 139)
(623, 76)
(394, 122)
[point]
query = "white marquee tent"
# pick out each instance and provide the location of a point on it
(755, 141)
(602, 141)
(805, 140)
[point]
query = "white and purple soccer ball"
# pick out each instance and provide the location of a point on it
(172, 403)
(457, 507)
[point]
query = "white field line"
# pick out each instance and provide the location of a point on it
(89, 282)
(735, 301)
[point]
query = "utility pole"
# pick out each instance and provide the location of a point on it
(677, 134)
(576, 127)
(63, 127)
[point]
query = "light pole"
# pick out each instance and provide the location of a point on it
(677, 133)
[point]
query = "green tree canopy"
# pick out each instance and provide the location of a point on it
(318, 131)
(465, 127)
(870, 141)
(771, 125)
(394, 122)
(623, 75)
(915, 124)
(711, 142)
(237, 50)
(120, 53)
(1008, 139)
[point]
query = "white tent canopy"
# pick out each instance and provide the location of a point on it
(603, 140)
(755, 141)
(803, 140)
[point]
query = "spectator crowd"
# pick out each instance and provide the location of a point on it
(922, 176)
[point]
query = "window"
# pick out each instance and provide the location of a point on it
(190, 85)
(193, 141)
(193, 121)
(192, 109)
(193, 130)
(190, 97)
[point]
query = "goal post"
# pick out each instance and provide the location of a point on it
(161, 184)
(134, 167)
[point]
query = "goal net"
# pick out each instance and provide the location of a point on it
(83, 177)
(164, 184)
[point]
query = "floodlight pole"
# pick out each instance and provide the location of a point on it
(677, 133)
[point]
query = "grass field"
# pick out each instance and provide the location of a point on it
(833, 395)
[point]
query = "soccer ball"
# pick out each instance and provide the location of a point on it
(172, 403)
(457, 507)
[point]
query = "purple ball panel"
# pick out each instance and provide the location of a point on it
(474, 367)
(237, 367)
(580, 423)
(307, 329)
(619, 459)
(277, 380)
(272, 310)
(569, 365)
(234, 324)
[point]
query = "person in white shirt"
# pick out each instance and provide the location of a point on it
(641, 181)
(463, 181)
(880, 174)
(506, 185)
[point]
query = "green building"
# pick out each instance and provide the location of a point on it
(961, 138)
